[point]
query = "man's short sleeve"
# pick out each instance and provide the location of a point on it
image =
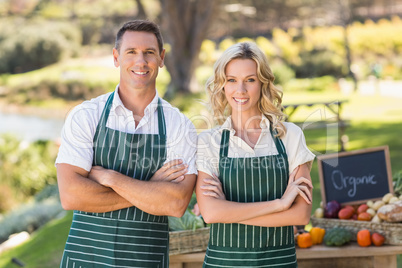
(77, 137)
(181, 140)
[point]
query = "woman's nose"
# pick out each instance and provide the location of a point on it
(241, 88)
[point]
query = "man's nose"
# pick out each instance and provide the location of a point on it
(140, 59)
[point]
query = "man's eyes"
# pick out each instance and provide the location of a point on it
(146, 52)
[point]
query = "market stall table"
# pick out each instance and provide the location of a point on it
(321, 256)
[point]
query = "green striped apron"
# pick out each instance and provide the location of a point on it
(127, 237)
(252, 179)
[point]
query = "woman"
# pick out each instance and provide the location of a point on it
(244, 188)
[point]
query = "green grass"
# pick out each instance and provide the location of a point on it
(45, 247)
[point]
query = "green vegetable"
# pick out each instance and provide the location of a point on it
(337, 237)
(397, 181)
(189, 221)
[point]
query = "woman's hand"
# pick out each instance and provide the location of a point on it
(172, 171)
(300, 186)
(213, 187)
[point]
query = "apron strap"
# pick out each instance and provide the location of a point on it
(223, 152)
(161, 119)
(278, 142)
(104, 116)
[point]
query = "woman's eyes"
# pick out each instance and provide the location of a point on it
(248, 80)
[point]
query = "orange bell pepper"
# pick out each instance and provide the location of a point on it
(317, 235)
(304, 240)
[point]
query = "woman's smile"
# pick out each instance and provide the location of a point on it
(241, 100)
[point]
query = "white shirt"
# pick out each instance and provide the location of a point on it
(80, 126)
(209, 146)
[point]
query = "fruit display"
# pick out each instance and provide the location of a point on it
(369, 223)
(388, 209)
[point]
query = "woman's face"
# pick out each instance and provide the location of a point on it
(243, 88)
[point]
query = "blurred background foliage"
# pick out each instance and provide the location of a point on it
(26, 168)
(294, 54)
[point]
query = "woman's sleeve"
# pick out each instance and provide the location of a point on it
(296, 147)
(207, 153)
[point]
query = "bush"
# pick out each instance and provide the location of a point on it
(26, 167)
(69, 90)
(49, 192)
(36, 44)
(282, 73)
(312, 84)
(29, 217)
(320, 63)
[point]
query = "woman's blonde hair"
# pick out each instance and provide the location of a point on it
(270, 101)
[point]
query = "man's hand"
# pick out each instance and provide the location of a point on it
(172, 171)
(100, 175)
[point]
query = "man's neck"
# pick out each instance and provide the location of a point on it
(136, 100)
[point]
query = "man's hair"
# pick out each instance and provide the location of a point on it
(140, 26)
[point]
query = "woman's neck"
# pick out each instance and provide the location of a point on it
(242, 122)
(247, 127)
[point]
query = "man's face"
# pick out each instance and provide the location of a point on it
(139, 60)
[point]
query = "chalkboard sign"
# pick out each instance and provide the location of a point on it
(356, 176)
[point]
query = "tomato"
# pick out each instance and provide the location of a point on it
(364, 238)
(377, 239)
(350, 207)
(345, 213)
(364, 216)
(362, 208)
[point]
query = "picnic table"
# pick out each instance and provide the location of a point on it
(333, 119)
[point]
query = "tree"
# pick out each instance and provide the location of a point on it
(185, 24)
(141, 14)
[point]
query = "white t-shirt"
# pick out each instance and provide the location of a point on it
(209, 146)
(79, 129)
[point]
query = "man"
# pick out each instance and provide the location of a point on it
(113, 166)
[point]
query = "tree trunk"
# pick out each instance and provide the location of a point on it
(345, 16)
(184, 25)
(141, 14)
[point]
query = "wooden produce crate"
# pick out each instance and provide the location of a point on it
(188, 241)
(391, 231)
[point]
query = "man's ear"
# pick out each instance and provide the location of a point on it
(116, 57)
(162, 58)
